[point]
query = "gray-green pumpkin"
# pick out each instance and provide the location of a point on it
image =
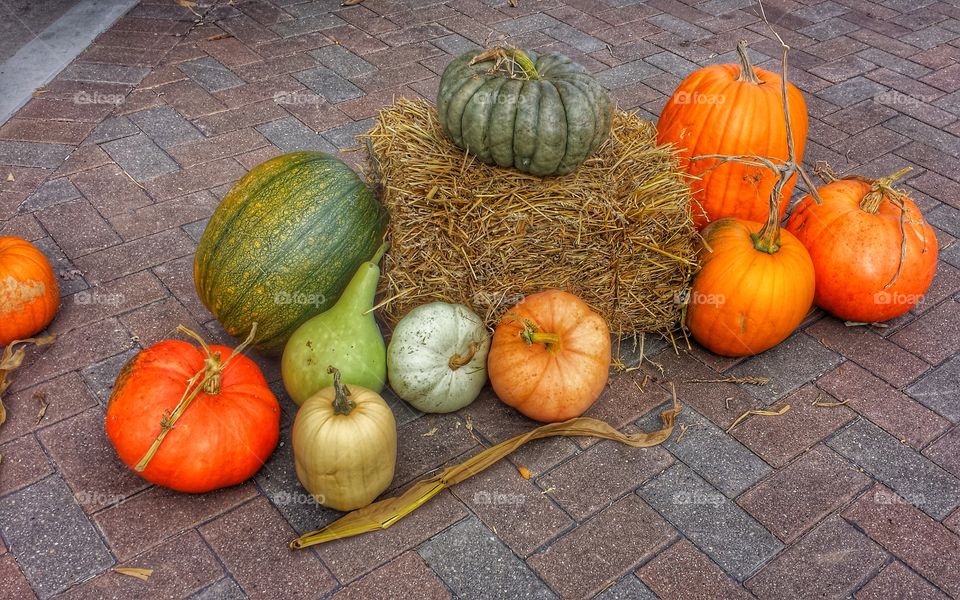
(542, 114)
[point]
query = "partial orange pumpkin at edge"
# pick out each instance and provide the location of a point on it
(29, 294)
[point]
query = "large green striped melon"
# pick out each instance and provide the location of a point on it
(284, 243)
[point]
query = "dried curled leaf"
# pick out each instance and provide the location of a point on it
(11, 359)
(383, 514)
(865, 324)
(758, 413)
(42, 399)
(749, 380)
(138, 572)
(189, 5)
(819, 402)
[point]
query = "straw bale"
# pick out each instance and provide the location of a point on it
(616, 232)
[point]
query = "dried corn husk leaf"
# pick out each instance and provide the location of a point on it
(758, 413)
(138, 572)
(383, 514)
(11, 359)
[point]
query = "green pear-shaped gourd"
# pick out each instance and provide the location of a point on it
(345, 336)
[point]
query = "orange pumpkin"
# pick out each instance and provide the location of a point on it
(855, 240)
(29, 296)
(754, 287)
(550, 356)
(732, 110)
(193, 419)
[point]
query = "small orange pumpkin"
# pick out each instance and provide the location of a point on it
(29, 295)
(855, 240)
(550, 356)
(754, 287)
(733, 110)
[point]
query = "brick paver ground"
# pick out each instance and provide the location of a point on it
(114, 169)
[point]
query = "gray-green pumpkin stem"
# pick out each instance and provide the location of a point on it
(523, 61)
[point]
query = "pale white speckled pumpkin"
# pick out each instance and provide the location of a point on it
(437, 357)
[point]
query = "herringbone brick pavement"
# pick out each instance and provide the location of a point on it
(113, 170)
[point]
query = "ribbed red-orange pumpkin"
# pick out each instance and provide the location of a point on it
(855, 241)
(29, 296)
(732, 110)
(223, 436)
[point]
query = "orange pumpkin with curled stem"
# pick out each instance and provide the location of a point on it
(550, 356)
(193, 419)
(874, 254)
(29, 295)
(733, 110)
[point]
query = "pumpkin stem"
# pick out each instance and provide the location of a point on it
(746, 67)
(212, 366)
(196, 336)
(531, 334)
(768, 238)
(209, 383)
(457, 360)
(501, 55)
(523, 61)
(883, 187)
(342, 405)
